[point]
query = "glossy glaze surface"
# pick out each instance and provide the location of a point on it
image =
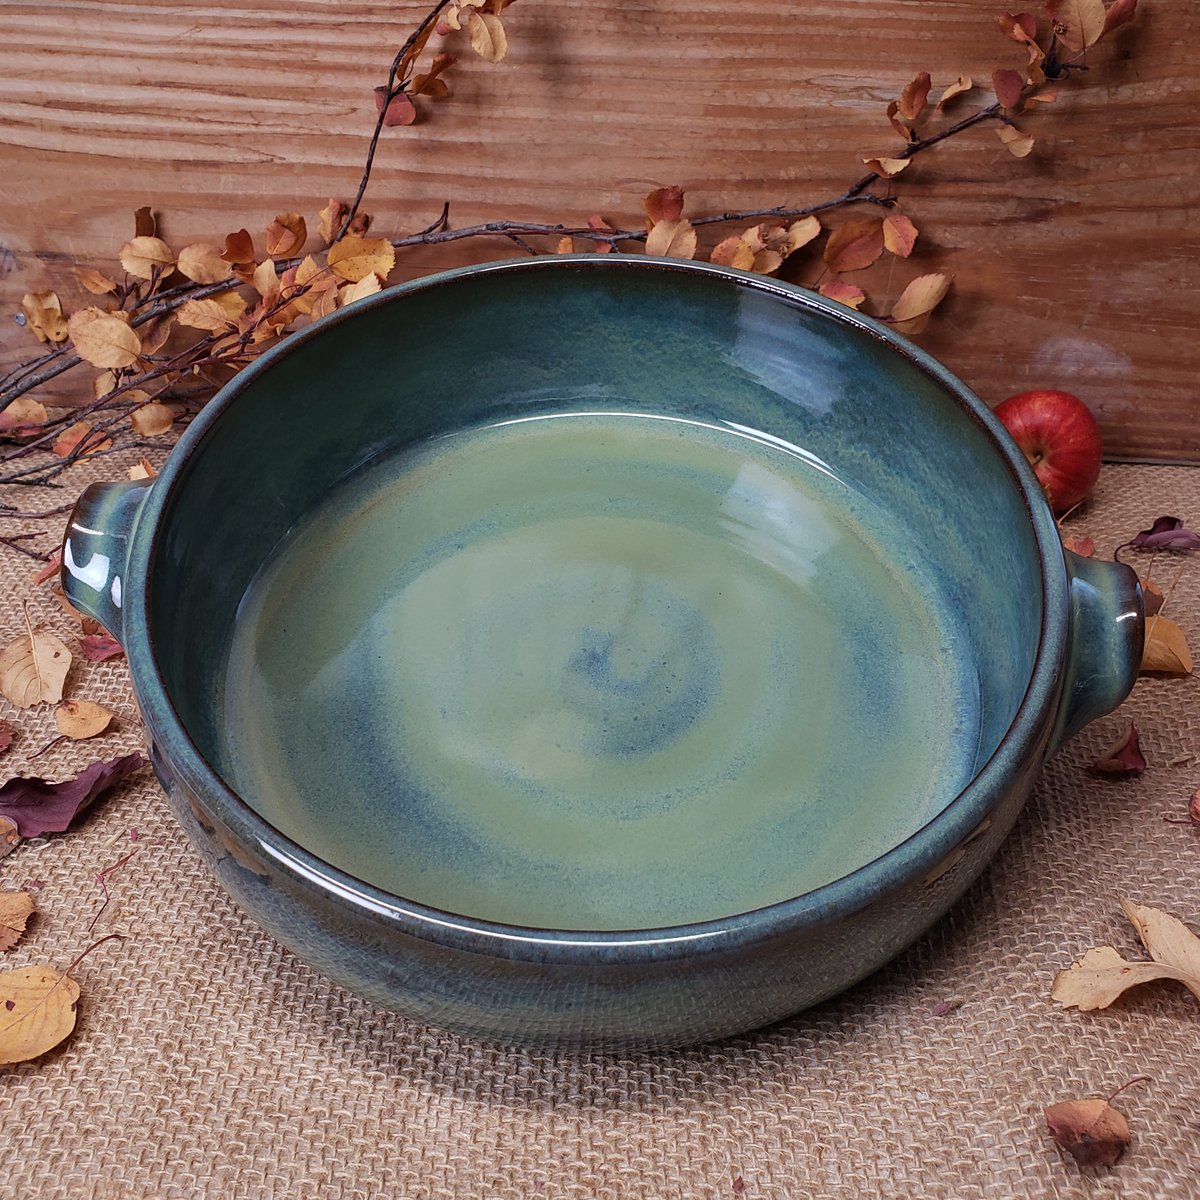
(591, 672)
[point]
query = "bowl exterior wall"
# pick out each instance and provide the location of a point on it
(615, 999)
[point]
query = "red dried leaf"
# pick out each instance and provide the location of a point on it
(855, 245)
(400, 109)
(1123, 757)
(663, 204)
(1167, 533)
(37, 807)
(1021, 27)
(843, 293)
(1008, 85)
(1091, 1130)
(51, 569)
(596, 221)
(99, 647)
(1085, 546)
(1119, 13)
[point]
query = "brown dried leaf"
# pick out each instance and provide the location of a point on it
(1124, 757)
(911, 312)
(400, 108)
(37, 1011)
(1152, 598)
(914, 97)
(566, 245)
(330, 220)
(80, 434)
(1008, 86)
(44, 315)
(286, 235)
(208, 314)
(353, 258)
(854, 245)
(733, 252)
(488, 38)
(94, 282)
(152, 419)
(239, 250)
(959, 87)
(1166, 649)
(843, 293)
(430, 82)
(1018, 144)
(1085, 546)
(663, 204)
(201, 262)
(144, 222)
(899, 234)
(1021, 27)
(7, 733)
(905, 131)
(1090, 1130)
(887, 167)
(81, 719)
(146, 256)
(104, 339)
(15, 909)
(33, 669)
(154, 333)
(1079, 23)
(672, 239)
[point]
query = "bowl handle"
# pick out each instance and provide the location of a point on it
(1104, 651)
(96, 547)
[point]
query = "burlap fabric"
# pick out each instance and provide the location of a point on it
(208, 1062)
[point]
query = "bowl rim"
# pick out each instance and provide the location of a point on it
(914, 858)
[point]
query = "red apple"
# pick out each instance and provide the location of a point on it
(1060, 438)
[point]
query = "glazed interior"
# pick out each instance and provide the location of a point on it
(567, 340)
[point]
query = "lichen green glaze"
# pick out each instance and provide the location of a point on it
(1056, 640)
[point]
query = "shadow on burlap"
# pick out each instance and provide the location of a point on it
(209, 1062)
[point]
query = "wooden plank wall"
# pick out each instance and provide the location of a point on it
(1076, 267)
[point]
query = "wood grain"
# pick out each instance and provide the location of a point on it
(1076, 267)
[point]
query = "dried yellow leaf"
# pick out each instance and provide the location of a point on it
(566, 245)
(208, 314)
(368, 285)
(957, 88)
(1102, 974)
(733, 252)
(201, 262)
(911, 312)
(801, 232)
(37, 1011)
(94, 282)
(330, 220)
(154, 333)
(44, 315)
(104, 339)
(488, 38)
(672, 239)
(33, 669)
(146, 256)
(887, 167)
(899, 234)
(152, 419)
(353, 258)
(81, 433)
(102, 384)
(143, 469)
(1015, 142)
(15, 909)
(1166, 649)
(80, 719)
(265, 278)
(1080, 23)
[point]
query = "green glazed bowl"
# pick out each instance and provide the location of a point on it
(599, 651)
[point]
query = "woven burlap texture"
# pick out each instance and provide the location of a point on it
(208, 1062)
